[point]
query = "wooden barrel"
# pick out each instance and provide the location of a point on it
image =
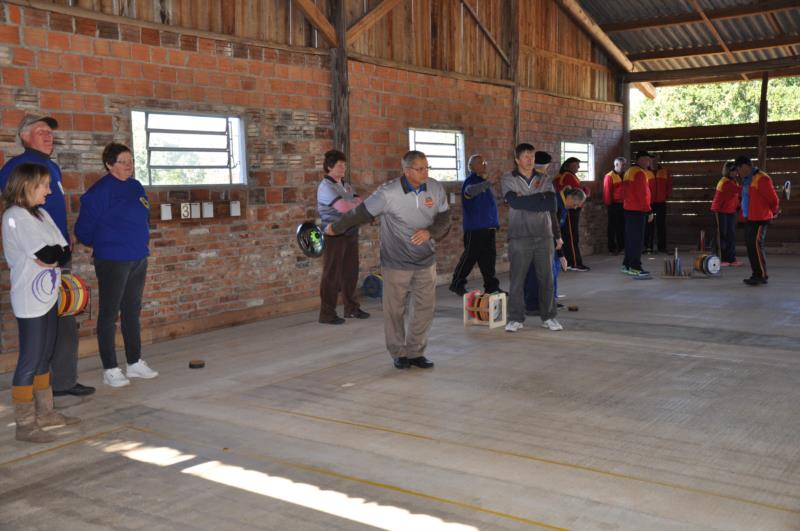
(73, 296)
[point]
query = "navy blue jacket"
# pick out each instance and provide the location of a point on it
(480, 211)
(115, 220)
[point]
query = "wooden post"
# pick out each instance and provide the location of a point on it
(626, 121)
(762, 123)
(514, 67)
(340, 86)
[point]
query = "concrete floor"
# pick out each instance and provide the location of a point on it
(665, 404)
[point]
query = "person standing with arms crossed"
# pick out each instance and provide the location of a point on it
(37, 137)
(480, 221)
(613, 198)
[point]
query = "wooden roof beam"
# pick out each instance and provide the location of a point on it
(711, 73)
(318, 19)
(598, 35)
(784, 72)
(370, 19)
(776, 42)
(755, 8)
(717, 37)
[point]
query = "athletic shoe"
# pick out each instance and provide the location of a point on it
(736, 263)
(561, 296)
(625, 270)
(755, 281)
(553, 325)
(115, 378)
(724, 264)
(581, 268)
(140, 369)
(513, 326)
(638, 272)
(460, 291)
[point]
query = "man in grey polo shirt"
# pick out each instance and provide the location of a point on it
(414, 213)
(532, 227)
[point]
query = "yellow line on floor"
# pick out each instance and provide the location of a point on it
(73, 442)
(355, 479)
(527, 457)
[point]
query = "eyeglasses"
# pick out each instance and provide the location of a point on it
(421, 168)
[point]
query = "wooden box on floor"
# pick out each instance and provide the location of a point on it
(485, 309)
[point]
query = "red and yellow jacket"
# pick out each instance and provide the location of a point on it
(726, 198)
(565, 179)
(635, 189)
(612, 188)
(763, 200)
(660, 184)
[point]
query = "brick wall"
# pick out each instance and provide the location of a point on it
(89, 74)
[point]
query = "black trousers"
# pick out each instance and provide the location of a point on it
(37, 341)
(616, 228)
(634, 235)
(571, 237)
(657, 229)
(120, 286)
(726, 236)
(480, 248)
(339, 274)
(755, 233)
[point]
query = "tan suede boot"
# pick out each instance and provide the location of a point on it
(46, 416)
(27, 430)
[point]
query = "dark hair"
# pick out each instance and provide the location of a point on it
(331, 158)
(20, 183)
(743, 159)
(112, 151)
(522, 148)
(728, 167)
(568, 161)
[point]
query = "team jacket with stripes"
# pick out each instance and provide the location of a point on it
(726, 198)
(660, 184)
(612, 188)
(763, 200)
(565, 179)
(636, 190)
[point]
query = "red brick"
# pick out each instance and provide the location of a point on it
(121, 50)
(84, 83)
(49, 100)
(13, 76)
(103, 122)
(94, 103)
(83, 122)
(140, 52)
(9, 34)
(14, 14)
(35, 37)
(23, 57)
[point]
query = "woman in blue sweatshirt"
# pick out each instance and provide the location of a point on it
(115, 221)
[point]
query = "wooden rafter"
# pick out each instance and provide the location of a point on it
(775, 42)
(598, 35)
(369, 20)
(318, 19)
(486, 32)
(711, 73)
(717, 37)
(783, 72)
(756, 8)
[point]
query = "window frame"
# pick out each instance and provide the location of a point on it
(460, 148)
(589, 163)
(231, 149)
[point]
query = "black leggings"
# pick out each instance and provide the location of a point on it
(37, 342)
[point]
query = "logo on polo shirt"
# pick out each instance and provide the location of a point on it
(429, 202)
(145, 203)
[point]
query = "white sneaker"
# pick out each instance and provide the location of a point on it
(513, 326)
(140, 369)
(553, 325)
(561, 296)
(115, 378)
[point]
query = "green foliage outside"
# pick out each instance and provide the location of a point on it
(717, 104)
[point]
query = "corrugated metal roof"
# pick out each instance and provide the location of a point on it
(733, 31)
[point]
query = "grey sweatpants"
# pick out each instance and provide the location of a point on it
(521, 252)
(413, 294)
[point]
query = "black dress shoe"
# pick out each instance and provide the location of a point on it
(76, 390)
(401, 363)
(458, 291)
(335, 320)
(755, 281)
(421, 361)
(358, 314)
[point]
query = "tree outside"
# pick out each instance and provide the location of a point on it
(715, 104)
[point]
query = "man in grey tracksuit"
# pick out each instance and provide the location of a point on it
(532, 228)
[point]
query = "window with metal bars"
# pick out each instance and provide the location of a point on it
(172, 149)
(444, 150)
(585, 153)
